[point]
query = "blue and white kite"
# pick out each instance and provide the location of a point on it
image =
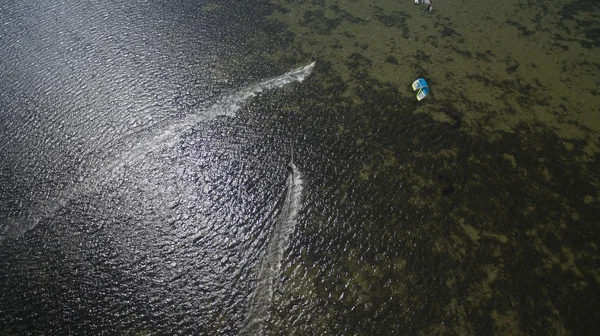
(421, 85)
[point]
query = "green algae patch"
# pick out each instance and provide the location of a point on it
(442, 117)
(470, 232)
(569, 146)
(210, 7)
(506, 323)
(511, 159)
(365, 172)
(587, 199)
(498, 237)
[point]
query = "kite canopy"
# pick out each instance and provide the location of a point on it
(425, 2)
(421, 85)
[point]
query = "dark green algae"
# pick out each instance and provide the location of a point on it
(433, 224)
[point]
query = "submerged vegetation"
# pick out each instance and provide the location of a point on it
(471, 212)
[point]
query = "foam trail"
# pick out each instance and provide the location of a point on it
(232, 103)
(270, 265)
(225, 106)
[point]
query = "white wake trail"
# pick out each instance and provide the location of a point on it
(269, 271)
(225, 106)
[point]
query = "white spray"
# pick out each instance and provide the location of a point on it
(226, 106)
(269, 271)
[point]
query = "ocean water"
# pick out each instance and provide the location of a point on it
(185, 168)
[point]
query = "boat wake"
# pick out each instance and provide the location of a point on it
(269, 270)
(227, 105)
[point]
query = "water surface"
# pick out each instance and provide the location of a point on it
(129, 206)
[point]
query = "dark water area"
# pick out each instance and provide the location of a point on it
(128, 205)
(146, 169)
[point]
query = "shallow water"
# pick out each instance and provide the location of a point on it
(128, 207)
(472, 211)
